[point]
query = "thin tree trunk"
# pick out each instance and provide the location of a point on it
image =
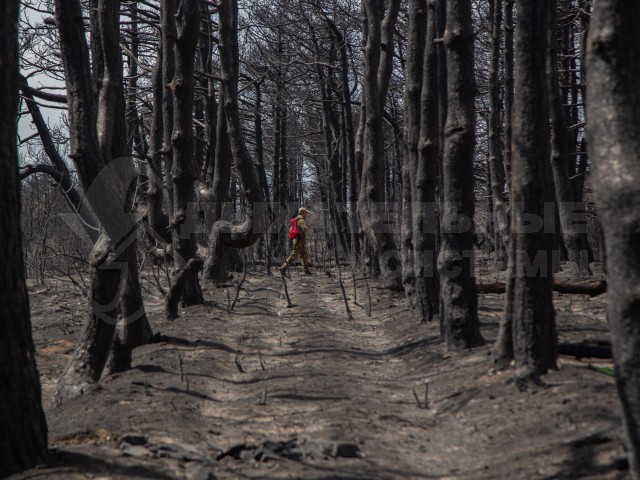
(70, 193)
(167, 38)
(157, 220)
(413, 88)
(496, 161)
(508, 86)
(613, 76)
(183, 169)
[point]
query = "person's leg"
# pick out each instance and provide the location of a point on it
(304, 257)
(291, 258)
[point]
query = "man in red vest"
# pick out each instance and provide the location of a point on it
(298, 229)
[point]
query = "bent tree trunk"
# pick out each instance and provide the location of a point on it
(23, 429)
(613, 81)
(224, 235)
(91, 126)
(455, 260)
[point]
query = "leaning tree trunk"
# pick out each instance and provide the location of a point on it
(534, 333)
(60, 171)
(185, 285)
(224, 235)
(375, 85)
(91, 126)
(455, 260)
(23, 428)
(613, 82)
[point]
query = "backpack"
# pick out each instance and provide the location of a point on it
(293, 228)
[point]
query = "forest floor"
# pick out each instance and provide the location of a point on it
(270, 392)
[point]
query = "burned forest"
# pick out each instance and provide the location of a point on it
(319, 239)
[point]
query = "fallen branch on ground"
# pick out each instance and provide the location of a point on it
(586, 349)
(585, 287)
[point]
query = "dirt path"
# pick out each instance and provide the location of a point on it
(268, 391)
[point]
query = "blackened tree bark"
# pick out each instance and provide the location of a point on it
(455, 259)
(613, 83)
(157, 220)
(378, 53)
(508, 85)
(571, 215)
(420, 170)
(496, 158)
(531, 275)
(332, 135)
(185, 284)
(413, 87)
(349, 136)
(23, 428)
(205, 51)
(221, 184)
(425, 222)
(224, 235)
(105, 181)
(133, 328)
(167, 38)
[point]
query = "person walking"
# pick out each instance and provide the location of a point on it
(298, 227)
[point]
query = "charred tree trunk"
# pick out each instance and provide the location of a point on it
(496, 159)
(378, 57)
(205, 51)
(157, 220)
(331, 133)
(455, 258)
(425, 223)
(221, 184)
(106, 182)
(413, 88)
(23, 428)
(183, 168)
(224, 235)
(257, 122)
(572, 216)
(420, 169)
(534, 332)
(167, 39)
(508, 86)
(349, 136)
(613, 80)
